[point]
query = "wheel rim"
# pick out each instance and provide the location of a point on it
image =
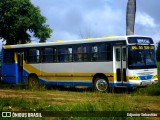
(101, 85)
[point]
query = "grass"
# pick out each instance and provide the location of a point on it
(56, 100)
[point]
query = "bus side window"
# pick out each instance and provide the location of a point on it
(69, 54)
(105, 52)
(48, 55)
(65, 54)
(61, 54)
(54, 55)
(74, 54)
(86, 53)
(102, 52)
(109, 53)
(33, 56)
(94, 53)
(79, 54)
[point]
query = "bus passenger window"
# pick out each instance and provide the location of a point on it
(86, 55)
(75, 54)
(79, 54)
(109, 52)
(55, 55)
(69, 55)
(61, 54)
(48, 55)
(94, 53)
(33, 56)
(65, 54)
(102, 52)
(117, 54)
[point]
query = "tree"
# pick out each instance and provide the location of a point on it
(130, 17)
(158, 51)
(19, 18)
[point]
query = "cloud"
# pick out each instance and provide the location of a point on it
(75, 19)
(63, 35)
(151, 7)
(146, 25)
(106, 21)
(145, 20)
(83, 18)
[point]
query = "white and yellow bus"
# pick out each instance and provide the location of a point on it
(117, 61)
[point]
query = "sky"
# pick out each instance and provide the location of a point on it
(78, 19)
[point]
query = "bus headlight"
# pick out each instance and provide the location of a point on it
(155, 82)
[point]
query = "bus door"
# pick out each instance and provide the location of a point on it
(120, 64)
(20, 67)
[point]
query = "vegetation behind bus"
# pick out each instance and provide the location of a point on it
(158, 51)
(18, 19)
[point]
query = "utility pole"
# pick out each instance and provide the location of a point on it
(130, 17)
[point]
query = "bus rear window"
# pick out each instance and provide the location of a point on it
(8, 57)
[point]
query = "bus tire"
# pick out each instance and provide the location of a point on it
(33, 81)
(101, 84)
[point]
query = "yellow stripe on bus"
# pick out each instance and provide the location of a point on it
(7, 47)
(16, 57)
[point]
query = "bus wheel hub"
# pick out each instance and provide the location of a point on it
(101, 85)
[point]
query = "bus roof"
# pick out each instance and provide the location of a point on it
(71, 42)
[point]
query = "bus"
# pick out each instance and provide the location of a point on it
(114, 61)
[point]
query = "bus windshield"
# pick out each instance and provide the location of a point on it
(141, 57)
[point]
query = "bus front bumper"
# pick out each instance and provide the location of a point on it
(143, 82)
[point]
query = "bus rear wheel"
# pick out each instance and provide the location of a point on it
(33, 81)
(101, 84)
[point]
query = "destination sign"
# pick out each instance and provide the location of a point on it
(140, 40)
(143, 41)
(135, 47)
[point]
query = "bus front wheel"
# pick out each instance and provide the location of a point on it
(33, 81)
(101, 84)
